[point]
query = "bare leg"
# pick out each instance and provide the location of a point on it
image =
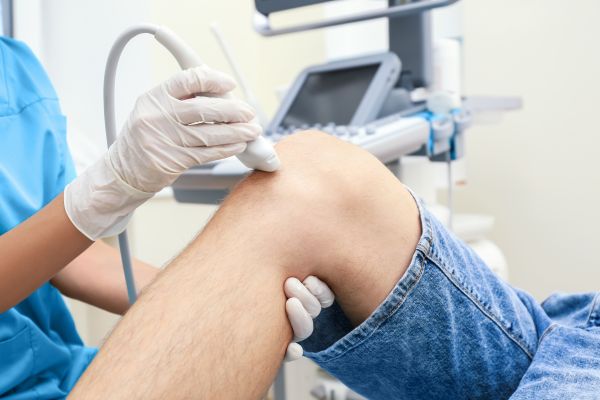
(213, 325)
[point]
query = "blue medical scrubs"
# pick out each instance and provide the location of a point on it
(41, 354)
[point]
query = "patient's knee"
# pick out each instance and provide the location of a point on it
(324, 171)
(329, 194)
(326, 182)
(335, 211)
(320, 169)
(321, 180)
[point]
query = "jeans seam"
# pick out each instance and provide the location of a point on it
(442, 267)
(428, 235)
(593, 315)
(547, 332)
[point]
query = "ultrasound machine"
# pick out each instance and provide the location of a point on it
(366, 100)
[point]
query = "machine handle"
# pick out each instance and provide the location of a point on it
(262, 25)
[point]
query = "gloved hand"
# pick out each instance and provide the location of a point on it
(168, 131)
(305, 301)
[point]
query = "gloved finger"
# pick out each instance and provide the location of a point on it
(302, 323)
(294, 288)
(219, 134)
(203, 155)
(320, 290)
(193, 81)
(294, 352)
(205, 109)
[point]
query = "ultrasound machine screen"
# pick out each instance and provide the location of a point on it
(330, 97)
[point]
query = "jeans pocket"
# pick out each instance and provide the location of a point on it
(16, 360)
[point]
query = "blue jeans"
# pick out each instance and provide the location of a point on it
(451, 329)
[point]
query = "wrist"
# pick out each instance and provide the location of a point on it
(99, 203)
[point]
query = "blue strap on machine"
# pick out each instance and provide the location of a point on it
(446, 132)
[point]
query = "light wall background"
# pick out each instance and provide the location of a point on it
(536, 172)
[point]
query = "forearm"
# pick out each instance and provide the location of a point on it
(35, 251)
(96, 278)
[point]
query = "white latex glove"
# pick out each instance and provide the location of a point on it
(168, 131)
(305, 301)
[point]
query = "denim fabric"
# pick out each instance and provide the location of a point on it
(450, 329)
(567, 362)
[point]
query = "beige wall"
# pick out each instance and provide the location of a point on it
(538, 172)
